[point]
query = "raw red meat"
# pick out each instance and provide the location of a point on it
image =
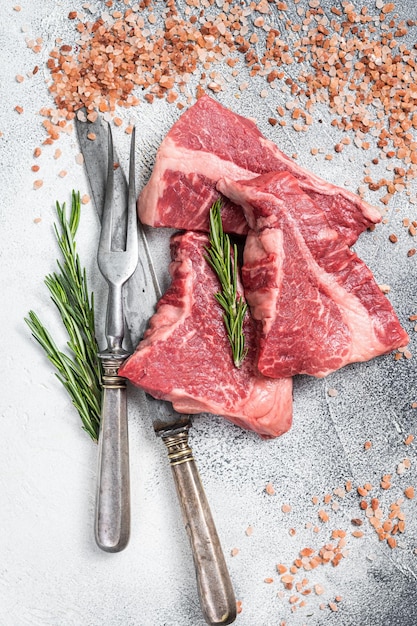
(209, 142)
(318, 303)
(185, 355)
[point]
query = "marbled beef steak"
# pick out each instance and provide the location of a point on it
(185, 356)
(208, 142)
(318, 303)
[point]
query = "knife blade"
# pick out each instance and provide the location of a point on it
(141, 293)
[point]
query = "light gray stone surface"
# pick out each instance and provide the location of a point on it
(51, 572)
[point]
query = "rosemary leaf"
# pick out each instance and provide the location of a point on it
(224, 263)
(80, 370)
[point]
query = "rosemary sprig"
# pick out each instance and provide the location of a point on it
(234, 306)
(80, 373)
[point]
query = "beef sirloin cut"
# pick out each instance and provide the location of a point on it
(318, 303)
(185, 356)
(209, 142)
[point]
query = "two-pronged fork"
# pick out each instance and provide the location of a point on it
(117, 261)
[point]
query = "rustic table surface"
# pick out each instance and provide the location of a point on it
(267, 497)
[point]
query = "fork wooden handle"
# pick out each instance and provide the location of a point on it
(217, 598)
(112, 521)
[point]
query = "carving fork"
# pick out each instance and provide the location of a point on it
(117, 261)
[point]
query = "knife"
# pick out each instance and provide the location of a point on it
(140, 296)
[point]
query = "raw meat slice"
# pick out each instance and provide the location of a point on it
(209, 142)
(318, 303)
(185, 355)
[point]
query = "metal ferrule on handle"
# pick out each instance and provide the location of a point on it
(112, 519)
(217, 598)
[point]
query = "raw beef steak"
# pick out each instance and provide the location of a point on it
(209, 142)
(318, 303)
(185, 355)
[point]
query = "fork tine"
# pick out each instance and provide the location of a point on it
(106, 220)
(131, 234)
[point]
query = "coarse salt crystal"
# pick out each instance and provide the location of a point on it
(385, 288)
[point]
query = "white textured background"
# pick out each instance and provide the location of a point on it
(51, 573)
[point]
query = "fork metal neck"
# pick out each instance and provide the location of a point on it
(115, 321)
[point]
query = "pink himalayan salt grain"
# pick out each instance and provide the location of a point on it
(269, 489)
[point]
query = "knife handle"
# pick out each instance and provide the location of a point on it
(112, 517)
(215, 589)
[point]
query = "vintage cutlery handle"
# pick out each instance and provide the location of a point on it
(112, 521)
(215, 589)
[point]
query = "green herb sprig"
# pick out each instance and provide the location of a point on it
(225, 265)
(80, 372)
